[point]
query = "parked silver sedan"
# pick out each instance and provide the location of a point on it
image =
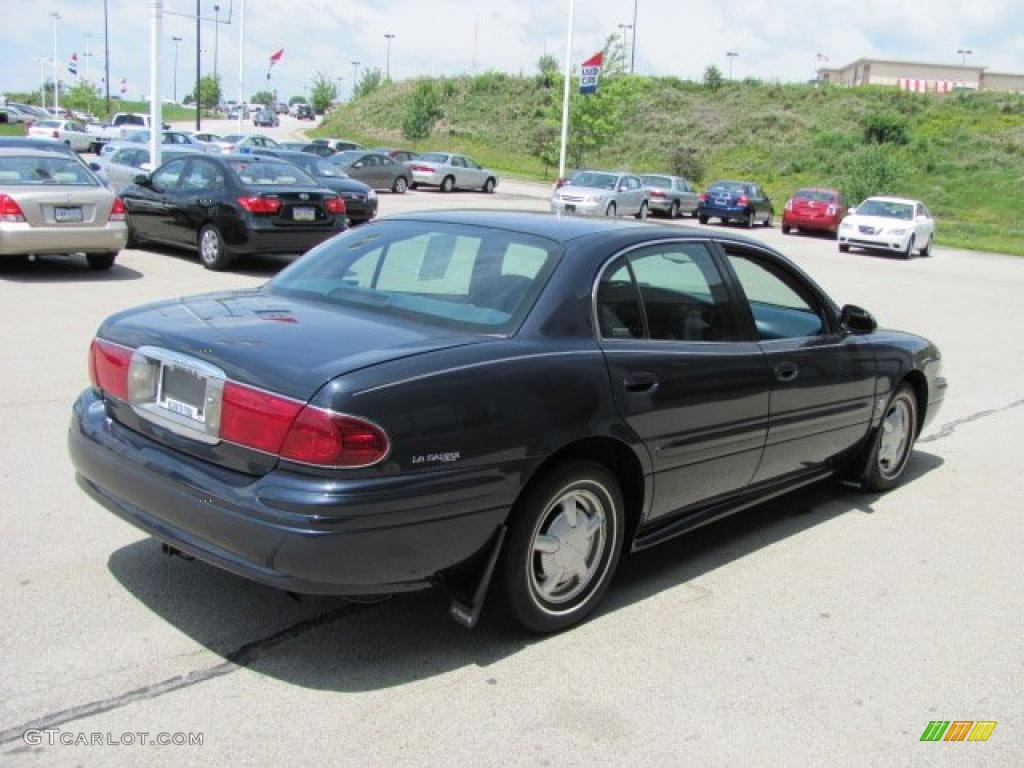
(671, 195)
(119, 169)
(602, 193)
(376, 170)
(449, 172)
(51, 203)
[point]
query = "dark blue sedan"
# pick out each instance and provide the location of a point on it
(736, 201)
(501, 402)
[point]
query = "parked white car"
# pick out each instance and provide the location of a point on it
(892, 224)
(602, 193)
(68, 131)
(450, 172)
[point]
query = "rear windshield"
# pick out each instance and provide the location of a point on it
(727, 186)
(348, 156)
(816, 195)
(264, 173)
(886, 209)
(595, 180)
(48, 124)
(464, 277)
(662, 182)
(434, 157)
(44, 171)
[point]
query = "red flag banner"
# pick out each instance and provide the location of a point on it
(276, 57)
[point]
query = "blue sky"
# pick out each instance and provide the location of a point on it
(435, 37)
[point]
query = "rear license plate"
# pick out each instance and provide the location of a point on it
(183, 392)
(66, 214)
(570, 209)
(304, 214)
(722, 202)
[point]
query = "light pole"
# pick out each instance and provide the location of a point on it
(355, 77)
(389, 37)
(622, 31)
(216, 39)
(56, 89)
(43, 61)
(632, 55)
(964, 53)
(732, 55)
(176, 41)
(106, 55)
(87, 55)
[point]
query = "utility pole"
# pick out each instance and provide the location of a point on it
(241, 62)
(389, 37)
(622, 31)
(155, 102)
(964, 53)
(199, 70)
(565, 91)
(176, 40)
(56, 88)
(632, 56)
(355, 77)
(106, 55)
(216, 41)
(87, 55)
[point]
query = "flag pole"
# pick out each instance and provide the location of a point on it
(241, 63)
(565, 91)
(155, 103)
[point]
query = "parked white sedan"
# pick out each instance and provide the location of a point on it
(892, 224)
(68, 131)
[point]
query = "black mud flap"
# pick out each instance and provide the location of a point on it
(468, 613)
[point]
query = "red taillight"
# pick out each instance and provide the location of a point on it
(260, 204)
(742, 201)
(832, 210)
(108, 367)
(254, 418)
(55, 135)
(335, 205)
(789, 205)
(657, 195)
(421, 168)
(118, 212)
(298, 432)
(703, 197)
(334, 440)
(10, 211)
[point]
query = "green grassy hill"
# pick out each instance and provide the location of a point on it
(962, 153)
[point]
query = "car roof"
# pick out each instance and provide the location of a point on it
(563, 229)
(885, 199)
(32, 152)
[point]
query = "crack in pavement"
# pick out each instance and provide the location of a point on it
(950, 427)
(241, 657)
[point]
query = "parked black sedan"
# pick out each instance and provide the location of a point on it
(226, 206)
(439, 398)
(360, 199)
(745, 202)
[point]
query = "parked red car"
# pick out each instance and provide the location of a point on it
(813, 209)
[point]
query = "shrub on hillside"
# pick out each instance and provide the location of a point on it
(687, 162)
(871, 170)
(421, 112)
(885, 128)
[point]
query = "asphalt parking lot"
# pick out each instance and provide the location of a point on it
(826, 628)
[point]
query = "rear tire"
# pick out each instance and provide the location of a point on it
(101, 262)
(563, 546)
(927, 250)
(413, 185)
(702, 219)
(785, 229)
(768, 222)
(212, 252)
(893, 441)
(610, 210)
(749, 221)
(906, 254)
(674, 212)
(844, 248)
(642, 213)
(488, 186)
(400, 186)
(448, 184)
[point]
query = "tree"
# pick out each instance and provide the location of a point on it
(595, 118)
(209, 91)
(713, 77)
(368, 83)
(323, 93)
(548, 67)
(81, 96)
(545, 143)
(421, 112)
(296, 100)
(266, 98)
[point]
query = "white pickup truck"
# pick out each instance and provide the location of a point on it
(101, 133)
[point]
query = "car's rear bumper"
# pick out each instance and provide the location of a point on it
(816, 223)
(295, 532)
(25, 238)
(271, 239)
(715, 212)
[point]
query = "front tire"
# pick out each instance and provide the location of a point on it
(212, 252)
(906, 254)
(101, 262)
(927, 250)
(400, 186)
(893, 442)
(844, 248)
(563, 547)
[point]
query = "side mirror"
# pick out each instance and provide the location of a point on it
(95, 167)
(623, 188)
(857, 320)
(142, 180)
(358, 165)
(851, 211)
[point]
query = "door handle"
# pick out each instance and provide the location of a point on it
(640, 382)
(786, 371)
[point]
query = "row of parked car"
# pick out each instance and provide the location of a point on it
(888, 224)
(224, 204)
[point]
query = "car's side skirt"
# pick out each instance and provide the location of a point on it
(692, 519)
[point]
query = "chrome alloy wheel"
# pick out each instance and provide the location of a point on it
(567, 547)
(209, 246)
(894, 447)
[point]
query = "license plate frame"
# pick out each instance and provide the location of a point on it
(68, 214)
(304, 213)
(171, 398)
(570, 208)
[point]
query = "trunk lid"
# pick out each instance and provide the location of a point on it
(59, 206)
(285, 345)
